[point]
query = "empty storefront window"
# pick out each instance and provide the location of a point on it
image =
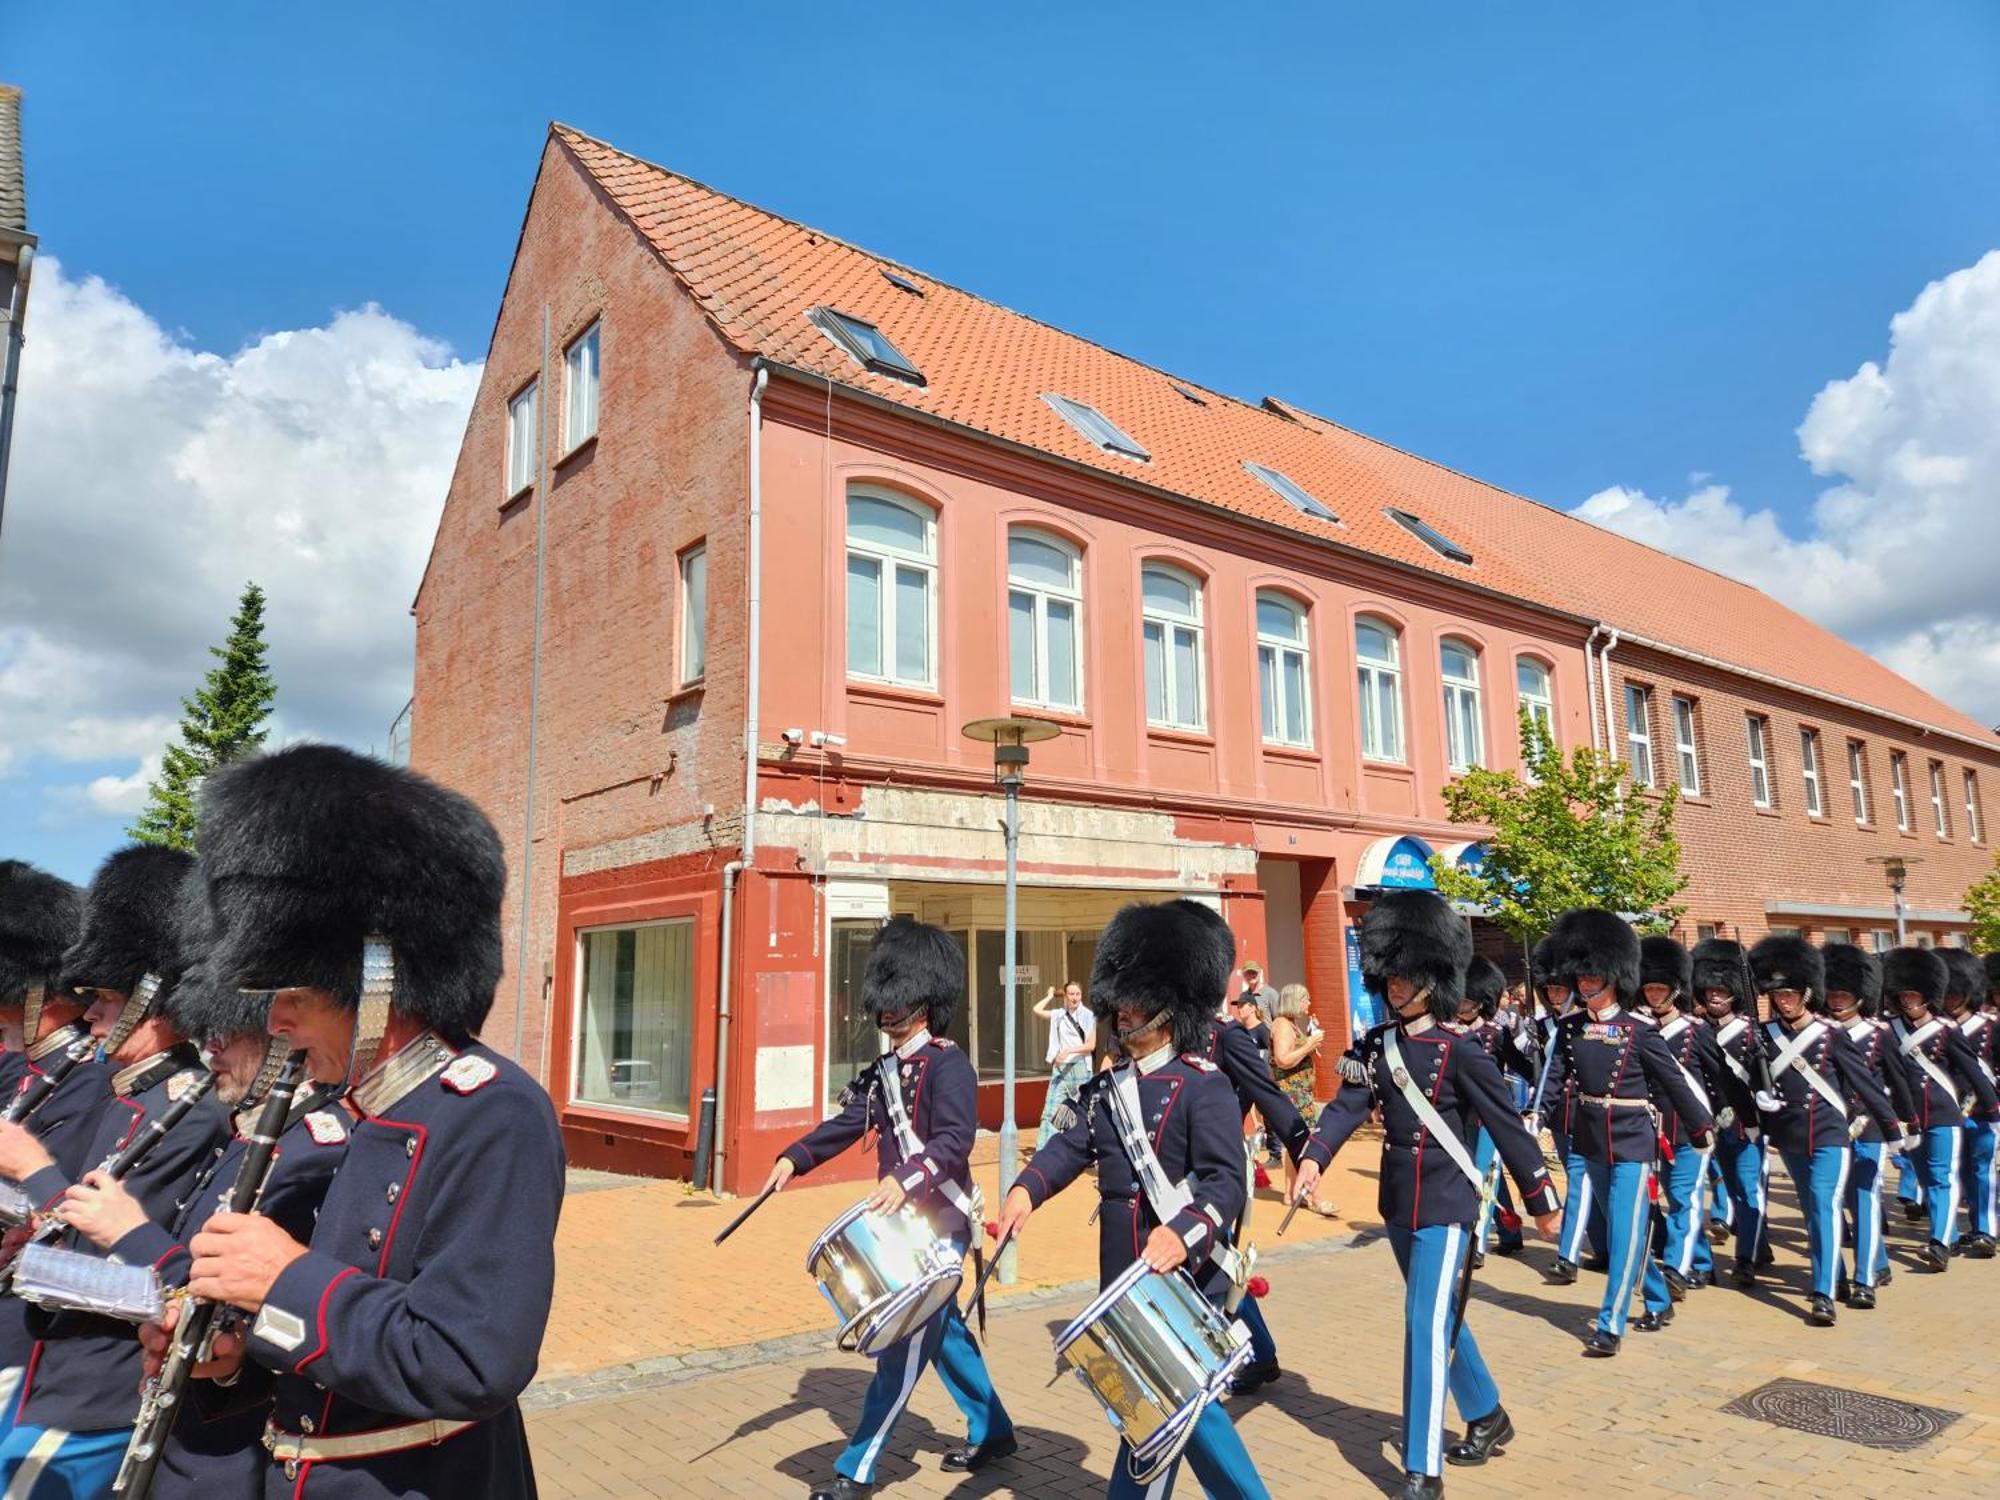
(635, 1021)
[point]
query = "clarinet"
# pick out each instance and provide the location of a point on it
(116, 1166)
(37, 1090)
(160, 1399)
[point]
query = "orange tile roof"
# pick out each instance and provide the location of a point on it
(986, 367)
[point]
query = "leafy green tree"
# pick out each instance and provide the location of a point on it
(1982, 905)
(1573, 832)
(225, 718)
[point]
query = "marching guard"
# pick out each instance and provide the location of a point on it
(1853, 996)
(1815, 1071)
(921, 1100)
(1621, 1068)
(1159, 974)
(1436, 1089)
(1582, 1214)
(1940, 1068)
(1721, 981)
(401, 1335)
(1484, 985)
(1964, 999)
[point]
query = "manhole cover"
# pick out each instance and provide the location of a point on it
(1851, 1416)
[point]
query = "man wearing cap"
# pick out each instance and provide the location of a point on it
(367, 898)
(1853, 996)
(912, 984)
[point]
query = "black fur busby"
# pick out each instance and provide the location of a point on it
(1917, 969)
(1721, 964)
(1591, 940)
(1852, 971)
(1415, 935)
(39, 918)
(1664, 960)
(1541, 967)
(1485, 984)
(128, 922)
(313, 849)
(1992, 974)
(1172, 956)
(914, 967)
(1784, 962)
(203, 1008)
(1964, 975)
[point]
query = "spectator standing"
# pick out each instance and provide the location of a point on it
(1072, 1033)
(1295, 1043)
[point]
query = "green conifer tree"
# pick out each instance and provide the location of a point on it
(225, 718)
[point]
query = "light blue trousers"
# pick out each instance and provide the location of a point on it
(1820, 1178)
(1431, 1260)
(1864, 1213)
(946, 1340)
(1624, 1188)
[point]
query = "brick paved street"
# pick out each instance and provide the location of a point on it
(766, 1420)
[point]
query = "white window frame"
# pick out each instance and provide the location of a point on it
(1040, 595)
(888, 560)
(1462, 701)
(1274, 654)
(1899, 788)
(576, 1026)
(523, 426)
(1379, 680)
(1857, 780)
(1757, 730)
(1639, 733)
(1974, 827)
(1541, 707)
(583, 363)
(1940, 818)
(1687, 759)
(1097, 429)
(694, 628)
(1809, 771)
(1171, 627)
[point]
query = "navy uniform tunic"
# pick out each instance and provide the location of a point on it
(1807, 1122)
(1233, 1048)
(941, 1096)
(1952, 1056)
(1736, 1043)
(1191, 1113)
(425, 1292)
(1876, 1045)
(1620, 1056)
(1421, 1186)
(1983, 1037)
(1692, 1045)
(214, 1450)
(1499, 1043)
(85, 1371)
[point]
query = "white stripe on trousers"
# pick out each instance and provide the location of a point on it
(29, 1474)
(1697, 1218)
(1572, 1247)
(1636, 1249)
(912, 1367)
(1839, 1203)
(1868, 1226)
(10, 1382)
(1440, 1355)
(1951, 1203)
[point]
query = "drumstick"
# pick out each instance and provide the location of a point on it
(1286, 1222)
(737, 1222)
(979, 1287)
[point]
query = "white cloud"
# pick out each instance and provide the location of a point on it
(152, 480)
(1897, 558)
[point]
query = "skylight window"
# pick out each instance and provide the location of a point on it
(902, 283)
(1190, 395)
(1096, 427)
(1290, 492)
(865, 344)
(1436, 540)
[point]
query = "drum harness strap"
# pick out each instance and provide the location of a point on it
(972, 1205)
(1791, 1054)
(1671, 1032)
(1169, 1199)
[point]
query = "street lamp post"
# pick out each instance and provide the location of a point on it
(1897, 868)
(1010, 739)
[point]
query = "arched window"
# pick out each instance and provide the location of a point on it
(1170, 625)
(1464, 735)
(891, 590)
(1536, 687)
(1283, 652)
(1044, 619)
(1378, 661)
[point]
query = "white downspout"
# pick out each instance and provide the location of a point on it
(1604, 670)
(729, 873)
(1589, 682)
(754, 668)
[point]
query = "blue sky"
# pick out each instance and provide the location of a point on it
(1563, 247)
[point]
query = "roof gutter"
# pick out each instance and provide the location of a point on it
(754, 668)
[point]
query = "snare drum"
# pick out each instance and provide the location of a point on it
(885, 1274)
(1154, 1352)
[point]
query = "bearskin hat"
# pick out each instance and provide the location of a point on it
(128, 922)
(1965, 975)
(1783, 962)
(1485, 984)
(911, 967)
(1665, 960)
(1415, 935)
(1172, 956)
(1721, 964)
(204, 1009)
(1855, 972)
(1591, 940)
(1917, 969)
(39, 917)
(313, 849)
(1992, 972)
(1541, 967)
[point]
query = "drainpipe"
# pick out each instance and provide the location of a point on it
(729, 873)
(753, 672)
(17, 313)
(534, 690)
(1604, 671)
(1589, 687)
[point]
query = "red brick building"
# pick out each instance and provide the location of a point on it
(748, 522)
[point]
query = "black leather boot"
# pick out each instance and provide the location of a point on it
(970, 1460)
(1936, 1254)
(1653, 1322)
(842, 1488)
(1421, 1486)
(1563, 1273)
(1819, 1312)
(1861, 1298)
(1483, 1439)
(1600, 1345)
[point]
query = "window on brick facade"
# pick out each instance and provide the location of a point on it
(580, 389)
(1703, 931)
(1536, 688)
(694, 614)
(1639, 733)
(1095, 428)
(1760, 758)
(1379, 673)
(1809, 771)
(1975, 822)
(1940, 817)
(1044, 619)
(521, 440)
(1464, 736)
(635, 1017)
(1687, 762)
(1284, 669)
(1836, 935)
(1171, 630)
(891, 590)
(1899, 788)
(1881, 941)
(1857, 779)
